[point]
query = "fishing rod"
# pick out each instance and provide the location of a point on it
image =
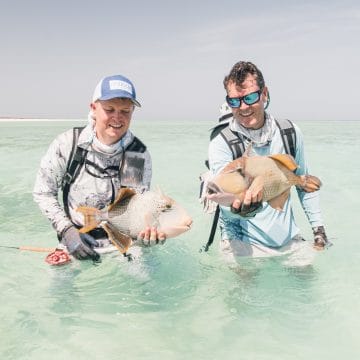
(54, 257)
(29, 248)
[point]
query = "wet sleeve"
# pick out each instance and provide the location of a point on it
(48, 182)
(310, 202)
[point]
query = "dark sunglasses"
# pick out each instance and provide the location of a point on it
(249, 99)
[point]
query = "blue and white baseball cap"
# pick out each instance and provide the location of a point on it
(115, 86)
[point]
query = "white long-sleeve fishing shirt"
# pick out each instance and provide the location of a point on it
(92, 187)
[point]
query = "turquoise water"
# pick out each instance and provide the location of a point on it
(177, 303)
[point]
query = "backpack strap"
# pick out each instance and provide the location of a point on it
(213, 230)
(234, 140)
(75, 163)
(288, 135)
(136, 145)
(236, 144)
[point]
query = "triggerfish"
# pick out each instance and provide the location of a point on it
(132, 212)
(273, 174)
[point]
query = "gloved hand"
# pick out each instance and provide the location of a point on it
(320, 238)
(80, 245)
(247, 211)
(150, 236)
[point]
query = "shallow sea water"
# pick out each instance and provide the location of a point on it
(175, 302)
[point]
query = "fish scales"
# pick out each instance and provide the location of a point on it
(277, 178)
(132, 213)
(273, 175)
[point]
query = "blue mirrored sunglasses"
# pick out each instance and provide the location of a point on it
(249, 99)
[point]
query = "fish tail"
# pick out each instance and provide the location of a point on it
(310, 183)
(92, 218)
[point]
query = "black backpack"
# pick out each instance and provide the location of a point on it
(77, 160)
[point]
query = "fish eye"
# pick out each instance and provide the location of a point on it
(166, 207)
(240, 171)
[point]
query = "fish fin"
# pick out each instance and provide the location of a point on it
(120, 240)
(310, 183)
(286, 160)
(92, 218)
(279, 201)
(236, 165)
(123, 194)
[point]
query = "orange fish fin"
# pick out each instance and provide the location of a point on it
(279, 201)
(92, 218)
(123, 194)
(310, 183)
(286, 160)
(120, 240)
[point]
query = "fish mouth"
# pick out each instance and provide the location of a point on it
(175, 230)
(212, 188)
(184, 227)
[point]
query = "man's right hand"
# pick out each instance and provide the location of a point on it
(80, 245)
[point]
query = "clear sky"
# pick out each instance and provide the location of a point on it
(177, 53)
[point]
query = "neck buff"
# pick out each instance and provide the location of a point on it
(106, 149)
(259, 137)
(103, 148)
(110, 149)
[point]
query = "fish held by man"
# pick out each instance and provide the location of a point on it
(132, 212)
(273, 174)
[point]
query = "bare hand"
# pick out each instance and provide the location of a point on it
(150, 237)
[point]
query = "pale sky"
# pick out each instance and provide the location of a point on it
(177, 53)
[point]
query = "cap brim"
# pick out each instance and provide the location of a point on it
(120, 96)
(136, 103)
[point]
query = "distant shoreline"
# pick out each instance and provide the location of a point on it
(29, 119)
(4, 119)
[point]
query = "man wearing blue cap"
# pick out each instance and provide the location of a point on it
(90, 164)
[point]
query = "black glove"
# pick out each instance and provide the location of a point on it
(80, 245)
(247, 211)
(320, 238)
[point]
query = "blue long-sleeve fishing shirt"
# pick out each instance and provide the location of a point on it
(269, 227)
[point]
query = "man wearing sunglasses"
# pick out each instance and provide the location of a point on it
(266, 231)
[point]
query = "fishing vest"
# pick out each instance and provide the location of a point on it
(236, 143)
(77, 160)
